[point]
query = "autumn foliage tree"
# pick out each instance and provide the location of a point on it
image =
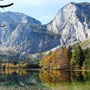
(56, 60)
(66, 58)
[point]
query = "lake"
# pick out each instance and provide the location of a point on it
(25, 79)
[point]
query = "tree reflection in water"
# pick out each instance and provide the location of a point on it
(54, 76)
(65, 80)
(44, 80)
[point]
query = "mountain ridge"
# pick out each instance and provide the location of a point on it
(17, 17)
(26, 34)
(70, 21)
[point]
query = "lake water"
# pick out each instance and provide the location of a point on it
(44, 80)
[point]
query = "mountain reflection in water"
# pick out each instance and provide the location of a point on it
(15, 79)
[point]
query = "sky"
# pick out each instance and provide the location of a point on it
(42, 10)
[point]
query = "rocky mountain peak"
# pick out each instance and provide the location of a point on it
(72, 22)
(62, 16)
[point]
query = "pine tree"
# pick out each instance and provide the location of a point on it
(69, 53)
(87, 58)
(78, 56)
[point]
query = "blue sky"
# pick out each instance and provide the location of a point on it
(42, 10)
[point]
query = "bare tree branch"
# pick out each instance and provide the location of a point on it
(3, 26)
(4, 6)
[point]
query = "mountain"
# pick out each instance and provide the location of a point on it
(11, 17)
(72, 22)
(26, 34)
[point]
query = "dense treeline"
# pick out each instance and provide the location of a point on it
(10, 65)
(11, 59)
(55, 60)
(67, 58)
(86, 63)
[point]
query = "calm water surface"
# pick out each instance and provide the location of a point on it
(44, 80)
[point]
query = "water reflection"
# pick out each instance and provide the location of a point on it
(66, 80)
(15, 79)
(54, 76)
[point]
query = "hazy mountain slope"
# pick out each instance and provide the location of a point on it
(32, 41)
(17, 17)
(26, 34)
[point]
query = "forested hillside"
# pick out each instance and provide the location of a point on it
(67, 58)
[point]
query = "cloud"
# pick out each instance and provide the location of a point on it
(29, 2)
(33, 2)
(24, 2)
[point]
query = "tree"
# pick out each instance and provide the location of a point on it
(55, 60)
(86, 63)
(78, 57)
(69, 53)
(87, 53)
(4, 6)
